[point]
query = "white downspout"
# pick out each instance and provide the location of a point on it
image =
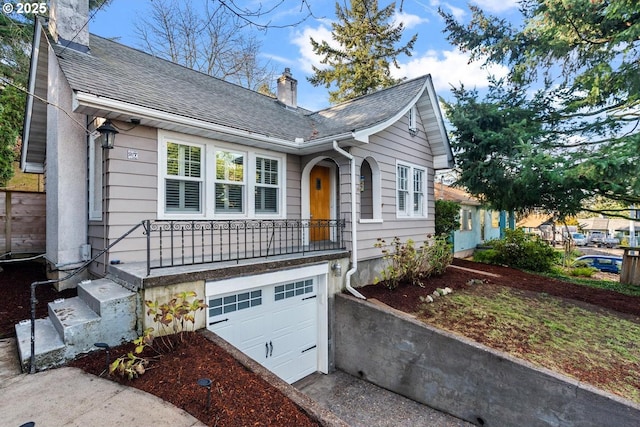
(354, 241)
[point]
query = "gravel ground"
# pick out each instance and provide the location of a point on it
(362, 404)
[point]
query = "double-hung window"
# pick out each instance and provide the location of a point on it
(230, 182)
(418, 192)
(266, 185)
(410, 190)
(200, 178)
(403, 190)
(183, 178)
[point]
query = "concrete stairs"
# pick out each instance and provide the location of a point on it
(103, 311)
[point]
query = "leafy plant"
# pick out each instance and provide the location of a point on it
(519, 250)
(447, 217)
(131, 365)
(175, 316)
(582, 271)
(406, 263)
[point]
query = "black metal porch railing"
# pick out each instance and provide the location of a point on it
(173, 243)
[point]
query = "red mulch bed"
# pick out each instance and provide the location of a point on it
(238, 397)
(15, 294)
(406, 297)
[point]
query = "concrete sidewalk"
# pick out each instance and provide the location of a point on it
(70, 397)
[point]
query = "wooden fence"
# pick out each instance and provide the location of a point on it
(22, 222)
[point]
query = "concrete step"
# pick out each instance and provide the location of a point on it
(103, 311)
(116, 307)
(106, 297)
(49, 347)
(76, 323)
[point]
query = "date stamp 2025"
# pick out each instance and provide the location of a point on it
(25, 8)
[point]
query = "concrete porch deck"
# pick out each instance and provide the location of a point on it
(135, 274)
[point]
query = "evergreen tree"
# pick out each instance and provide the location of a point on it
(15, 39)
(16, 34)
(366, 48)
(574, 132)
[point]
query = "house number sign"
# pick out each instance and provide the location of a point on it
(132, 155)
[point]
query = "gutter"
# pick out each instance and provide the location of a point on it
(96, 103)
(354, 241)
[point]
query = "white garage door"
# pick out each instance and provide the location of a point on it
(276, 325)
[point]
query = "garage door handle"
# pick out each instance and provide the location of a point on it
(269, 348)
(219, 321)
(307, 349)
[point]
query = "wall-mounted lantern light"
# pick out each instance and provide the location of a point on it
(337, 269)
(108, 132)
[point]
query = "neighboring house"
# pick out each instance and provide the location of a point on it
(265, 209)
(612, 227)
(622, 229)
(596, 226)
(541, 225)
(477, 224)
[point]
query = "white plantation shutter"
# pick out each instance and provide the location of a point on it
(266, 190)
(183, 184)
(230, 182)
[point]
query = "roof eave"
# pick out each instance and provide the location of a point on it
(25, 165)
(91, 104)
(446, 160)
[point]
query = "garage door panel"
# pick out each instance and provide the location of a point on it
(251, 331)
(275, 325)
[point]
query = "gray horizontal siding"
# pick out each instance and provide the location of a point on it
(395, 143)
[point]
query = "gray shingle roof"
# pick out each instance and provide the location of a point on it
(125, 74)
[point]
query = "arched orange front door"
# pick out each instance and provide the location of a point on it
(320, 202)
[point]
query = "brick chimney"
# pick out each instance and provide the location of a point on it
(288, 89)
(68, 23)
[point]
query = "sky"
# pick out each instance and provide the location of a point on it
(290, 47)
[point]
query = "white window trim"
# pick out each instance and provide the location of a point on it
(244, 184)
(95, 178)
(209, 148)
(282, 181)
(409, 213)
(162, 177)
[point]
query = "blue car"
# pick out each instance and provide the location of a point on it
(606, 263)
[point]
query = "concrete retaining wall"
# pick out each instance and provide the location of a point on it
(463, 378)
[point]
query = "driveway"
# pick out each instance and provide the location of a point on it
(360, 403)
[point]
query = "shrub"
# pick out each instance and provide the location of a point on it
(520, 250)
(174, 318)
(487, 256)
(447, 217)
(406, 263)
(582, 271)
(131, 365)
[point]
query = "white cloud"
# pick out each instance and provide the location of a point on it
(457, 12)
(497, 5)
(409, 20)
(449, 68)
(307, 57)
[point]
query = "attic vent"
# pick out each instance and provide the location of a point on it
(413, 121)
